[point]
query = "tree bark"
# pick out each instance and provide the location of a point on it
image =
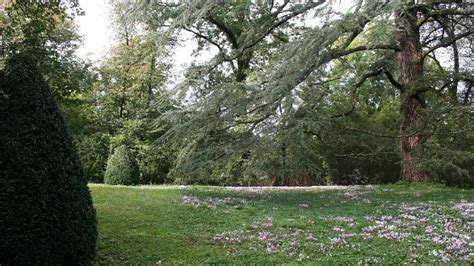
(409, 63)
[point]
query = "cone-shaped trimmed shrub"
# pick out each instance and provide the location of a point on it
(122, 168)
(46, 213)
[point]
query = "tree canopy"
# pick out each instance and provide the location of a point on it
(275, 80)
(293, 92)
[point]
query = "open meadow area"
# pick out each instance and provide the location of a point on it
(391, 224)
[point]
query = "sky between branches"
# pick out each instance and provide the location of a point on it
(96, 29)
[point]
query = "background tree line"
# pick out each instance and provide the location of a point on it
(295, 94)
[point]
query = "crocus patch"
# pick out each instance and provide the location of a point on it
(432, 232)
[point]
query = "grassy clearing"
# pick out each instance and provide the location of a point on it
(386, 224)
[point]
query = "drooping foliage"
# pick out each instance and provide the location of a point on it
(122, 168)
(363, 92)
(47, 214)
(288, 92)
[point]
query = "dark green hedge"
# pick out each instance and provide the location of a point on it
(46, 213)
(122, 168)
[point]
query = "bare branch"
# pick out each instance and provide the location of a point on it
(447, 42)
(367, 48)
(225, 29)
(207, 38)
(444, 12)
(392, 80)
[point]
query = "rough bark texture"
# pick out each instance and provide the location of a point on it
(410, 69)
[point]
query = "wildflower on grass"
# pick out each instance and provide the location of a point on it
(465, 207)
(457, 244)
(409, 216)
(267, 225)
(270, 247)
(427, 211)
(369, 218)
(265, 236)
(368, 229)
(346, 235)
(448, 226)
(405, 207)
(301, 257)
(429, 229)
(423, 220)
(394, 235)
(343, 219)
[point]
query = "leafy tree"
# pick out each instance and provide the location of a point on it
(47, 214)
(46, 31)
(406, 37)
(131, 95)
(242, 33)
(361, 96)
(416, 41)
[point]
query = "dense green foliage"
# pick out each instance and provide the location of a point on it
(46, 31)
(94, 152)
(122, 168)
(166, 224)
(47, 214)
(276, 92)
(344, 101)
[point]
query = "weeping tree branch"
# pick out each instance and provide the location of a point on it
(354, 91)
(446, 42)
(367, 48)
(297, 12)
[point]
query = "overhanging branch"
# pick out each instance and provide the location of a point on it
(354, 91)
(444, 12)
(393, 81)
(447, 42)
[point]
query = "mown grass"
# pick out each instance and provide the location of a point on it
(204, 225)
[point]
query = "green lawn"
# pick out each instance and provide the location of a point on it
(385, 224)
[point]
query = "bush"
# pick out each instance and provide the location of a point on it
(46, 213)
(122, 168)
(93, 151)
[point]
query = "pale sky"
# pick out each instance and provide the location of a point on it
(98, 36)
(95, 29)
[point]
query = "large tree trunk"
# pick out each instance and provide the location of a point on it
(410, 70)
